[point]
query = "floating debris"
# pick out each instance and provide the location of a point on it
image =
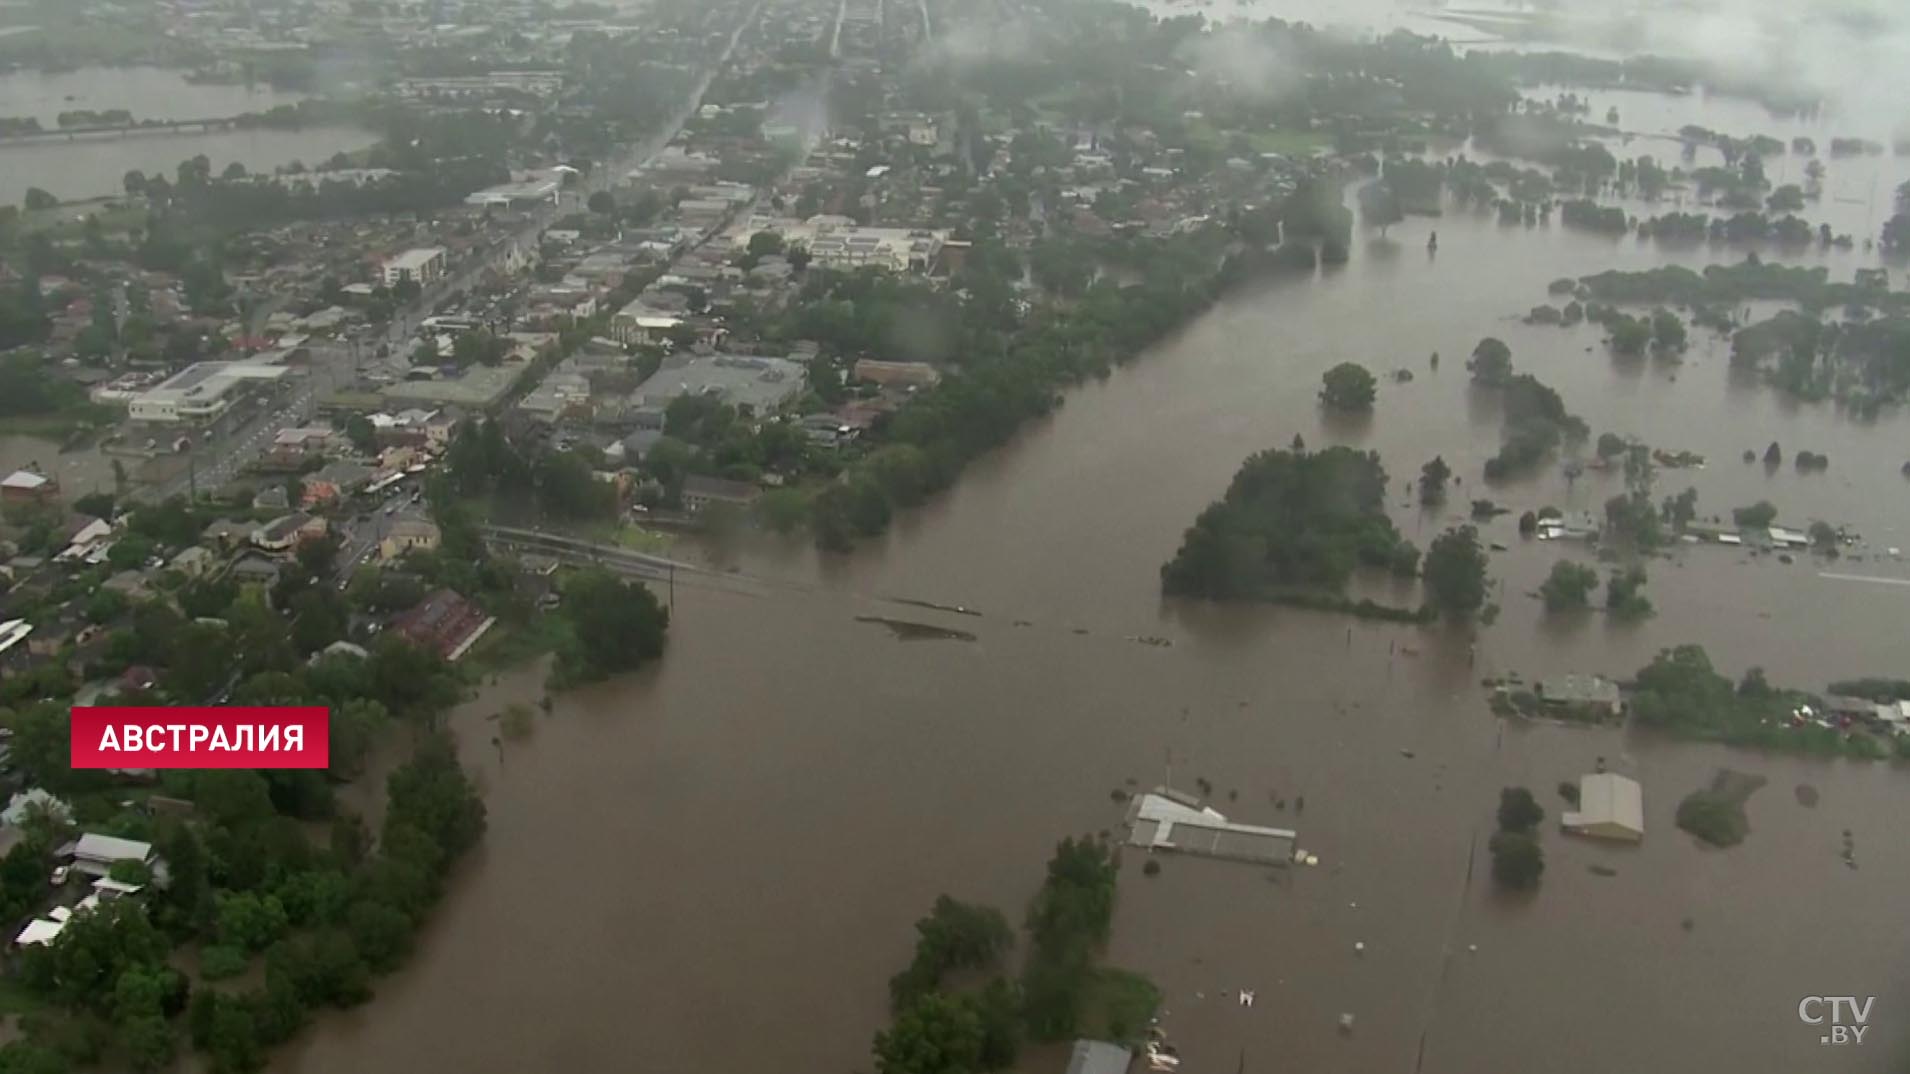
(1408, 754)
(1359, 947)
(958, 609)
(904, 630)
(1806, 795)
(1601, 870)
(1150, 639)
(1346, 1022)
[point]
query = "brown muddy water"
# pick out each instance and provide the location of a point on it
(715, 864)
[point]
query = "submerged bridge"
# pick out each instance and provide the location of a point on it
(576, 550)
(121, 130)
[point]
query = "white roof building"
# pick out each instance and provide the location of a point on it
(1610, 806)
(24, 481)
(97, 854)
(198, 391)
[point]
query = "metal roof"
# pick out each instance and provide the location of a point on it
(1611, 802)
(1098, 1057)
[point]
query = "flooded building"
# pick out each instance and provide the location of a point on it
(1610, 806)
(1164, 819)
(1098, 1057)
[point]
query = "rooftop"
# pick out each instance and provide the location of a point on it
(1609, 805)
(1162, 819)
(760, 383)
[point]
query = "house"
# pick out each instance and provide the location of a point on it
(26, 486)
(225, 533)
(333, 482)
(96, 855)
(1610, 806)
(407, 534)
(194, 562)
(444, 623)
(287, 533)
(1582, 696)
(699, 492)
(254, 569)
(91, 539)
(1098, 1057)
(12, 633)
(25, 804)
(130, 584)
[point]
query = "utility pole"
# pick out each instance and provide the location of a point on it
(673, 589)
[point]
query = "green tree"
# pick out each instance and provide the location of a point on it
(1455, 571)
(1568, 586)
(1681, 510)
(1491, 362)
(1624, 594)
(616, 625)
(1518, 810)
(1517, 860)
(1433, 479)
(954, 936)
(602, 202)
(1348, 386)
(1757, 516)
(937, 1034)
(362, 434)
(38, 200)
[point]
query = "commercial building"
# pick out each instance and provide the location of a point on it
(422, 266)
(639, 323)
(753, 384)
(444, 623)
(1610, 806)
(407, 534)
(837, 242)
(200, 392)
(531, 191)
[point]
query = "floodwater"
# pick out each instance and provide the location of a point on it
(96, 167)
(716, 864)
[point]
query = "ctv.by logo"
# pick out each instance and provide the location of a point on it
(1845, 1020)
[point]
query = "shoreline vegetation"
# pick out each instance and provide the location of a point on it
(1848, 342)
(1293, 528)
(1681, 696)
(1062, 991)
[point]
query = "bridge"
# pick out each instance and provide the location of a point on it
(579, 552)
(121, 130)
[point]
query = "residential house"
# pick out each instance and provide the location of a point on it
(194, 562)
(1582, 696)
(27, 486)
(701, 492)
(226, 533)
